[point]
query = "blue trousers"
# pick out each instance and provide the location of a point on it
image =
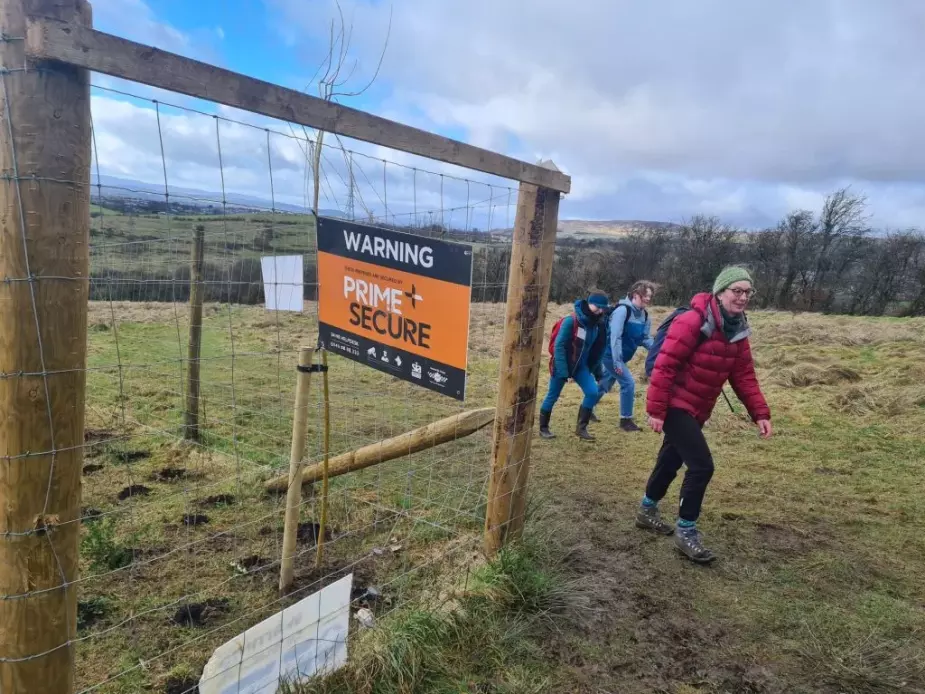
(585, 380)
(626, 381)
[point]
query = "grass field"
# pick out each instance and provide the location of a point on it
(819, 531)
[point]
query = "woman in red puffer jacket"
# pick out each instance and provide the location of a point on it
(703, 348)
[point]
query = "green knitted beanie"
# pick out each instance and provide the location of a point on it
(730, 276)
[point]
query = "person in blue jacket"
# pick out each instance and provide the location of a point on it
(577, 351)
(629, 329)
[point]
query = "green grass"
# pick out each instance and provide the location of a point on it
(818, 587)
(137, 243)
(484, 635)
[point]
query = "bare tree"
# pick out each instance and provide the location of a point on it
(331, 79)
(888, 274)
(767, 258)
(842, 221)
(796, 233)
(700, 250)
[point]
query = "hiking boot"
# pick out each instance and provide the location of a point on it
(649, 518)
(581, 429)
(689, 542)
(594, 419)
(544, 425)
(627, 424)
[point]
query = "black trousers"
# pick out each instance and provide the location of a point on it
(684, 444)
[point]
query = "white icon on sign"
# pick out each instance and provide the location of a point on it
(437, 376)
(416, 370)
(371, 352)
(385, 355)
(397, 360)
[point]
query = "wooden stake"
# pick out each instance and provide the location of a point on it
(194, 348)
(45, 260)
(528, 292)
(294, 492)
(322, 525)
(450, 428)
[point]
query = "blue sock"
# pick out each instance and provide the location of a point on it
(686, 523)
(648, 503)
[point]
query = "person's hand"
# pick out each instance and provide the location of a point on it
(656, 424)
(618, 370)
(764, 428)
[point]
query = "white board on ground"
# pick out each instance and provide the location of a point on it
(308, 638)
(282, 282)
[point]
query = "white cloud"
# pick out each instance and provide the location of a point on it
(128, 146)
(136, 20)
(770, 103)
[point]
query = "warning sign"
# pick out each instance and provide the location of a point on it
(396, 302)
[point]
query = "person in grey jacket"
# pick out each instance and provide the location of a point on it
(629, 328)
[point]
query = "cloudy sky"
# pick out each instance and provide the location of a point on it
(658, 110)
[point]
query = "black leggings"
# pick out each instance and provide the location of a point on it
(683, 444)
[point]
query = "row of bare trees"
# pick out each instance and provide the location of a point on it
(830, 261)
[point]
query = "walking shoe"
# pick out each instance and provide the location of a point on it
(627, 424)
(544, 425)
(581, 429)
(689, 541)
(650, 518)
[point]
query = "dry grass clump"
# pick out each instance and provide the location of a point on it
(863, 662)
(776, 328)
(806, 375)
(881, 400)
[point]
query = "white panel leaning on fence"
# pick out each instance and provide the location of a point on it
(47, 52)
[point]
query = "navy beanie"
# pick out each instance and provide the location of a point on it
(598, 299)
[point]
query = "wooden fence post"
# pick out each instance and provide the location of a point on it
(296, 453)
(528, 293)
(44, 286)
(194, 348)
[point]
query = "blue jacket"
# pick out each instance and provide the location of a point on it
(590, 343)
(627, 336)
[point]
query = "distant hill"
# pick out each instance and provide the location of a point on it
(114, 186)
(592, 229)
(595, 229)
(210, 203)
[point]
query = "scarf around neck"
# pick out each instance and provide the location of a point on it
(732, 325)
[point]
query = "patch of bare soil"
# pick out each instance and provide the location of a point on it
(199, 614)
(309, 532)
(169, 474)
(647, 635)
(133, 490)
(783, 541)
(181, 685)
(195, 519)
(218, 500)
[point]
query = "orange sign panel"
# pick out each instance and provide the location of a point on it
(397, 302)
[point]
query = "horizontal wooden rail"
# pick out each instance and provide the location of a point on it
(48, 39)
(452, 428)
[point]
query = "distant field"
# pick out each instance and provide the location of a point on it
(819, 531)
(131, 242)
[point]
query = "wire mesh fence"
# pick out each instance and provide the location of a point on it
(180, 540)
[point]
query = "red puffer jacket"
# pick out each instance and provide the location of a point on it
(690, 376)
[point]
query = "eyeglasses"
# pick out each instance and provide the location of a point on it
(739, 293)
